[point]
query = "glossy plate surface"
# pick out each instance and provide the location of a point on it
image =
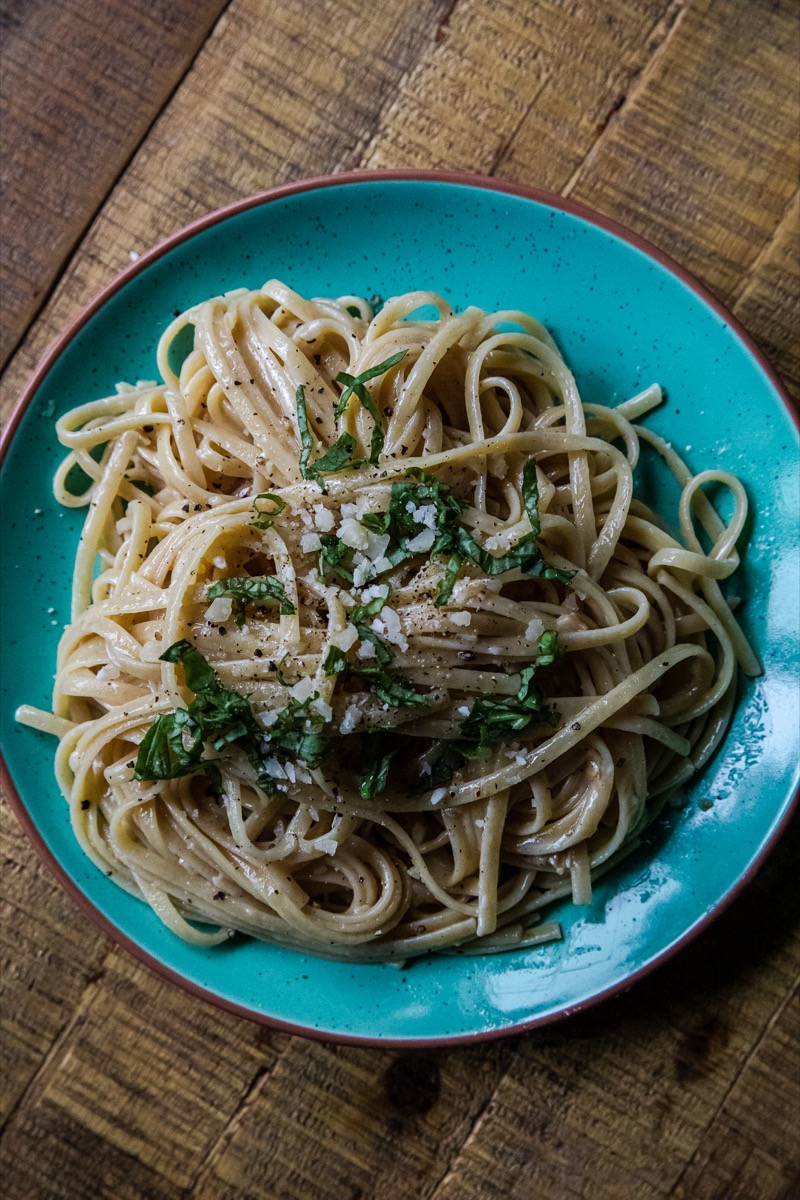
(623, 316)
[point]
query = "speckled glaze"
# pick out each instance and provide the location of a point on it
(623, 316)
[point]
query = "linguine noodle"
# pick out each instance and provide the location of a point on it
(373, 649)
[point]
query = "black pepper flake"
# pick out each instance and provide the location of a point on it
(185, 508)
(198, 508)
(237, 383)
(221, 629)
(131, 764)
(258, 653)
(147, 428)
(404, 449)
(86, 804)
(219, 895)
(466, 656)
(388, 410)
(318, 420)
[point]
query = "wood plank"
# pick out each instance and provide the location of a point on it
(334, 1122)
(267, 100)
(769, 300)
(66, 1161)
(518, 89)
(82, 84)
(49, 953)
(752, 1148)
(165, 1099)
(704, 161)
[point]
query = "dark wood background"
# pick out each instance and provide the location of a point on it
(121, 123)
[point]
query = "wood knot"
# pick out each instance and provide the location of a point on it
(695, 1053)
(412, 1083)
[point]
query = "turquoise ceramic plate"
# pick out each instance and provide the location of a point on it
(624, 316)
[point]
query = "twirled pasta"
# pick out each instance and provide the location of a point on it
(198, 480)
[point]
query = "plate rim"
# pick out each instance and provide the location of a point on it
(48, 360)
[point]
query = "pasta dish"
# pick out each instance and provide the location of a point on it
(374, 651)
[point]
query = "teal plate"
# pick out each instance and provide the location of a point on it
(624, 316)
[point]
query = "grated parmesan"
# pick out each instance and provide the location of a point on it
(323, 518)
(219, 609)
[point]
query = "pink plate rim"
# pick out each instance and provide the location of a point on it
(56, 348)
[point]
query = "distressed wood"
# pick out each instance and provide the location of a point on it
(703, 158)
(272, 96)
(753, 1145)
(167, 1098)
(768, 301)
(49, 955)
(677, 118)
(82, 84)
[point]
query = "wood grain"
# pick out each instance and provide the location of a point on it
(705, 161)
(48, 955)
(679, 119)
(271, 97)
(768, 299)
(82, 83)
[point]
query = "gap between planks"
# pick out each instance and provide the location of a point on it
(670, 24)
(51, 1063)
(788, 219)
(231, 1127)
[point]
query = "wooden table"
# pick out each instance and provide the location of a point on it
(122, 123)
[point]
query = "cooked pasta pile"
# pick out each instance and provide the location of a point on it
(373, 650)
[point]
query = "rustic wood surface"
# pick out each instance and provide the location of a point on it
(123, 122)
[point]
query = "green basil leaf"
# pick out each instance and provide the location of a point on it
(306, 440)
(244, 589)
(335, 661)
(388, 688)
(333, 555)
(267, 507)
(377, 758)
(337, 457)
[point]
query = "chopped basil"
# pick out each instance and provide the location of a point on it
(306, 440)
(388, 688)
(335, 661)
(296, 734)
(525, 555)
(355, 386)
(377, 759)
(493, 720)
(267, 506)
(332, 554)
(175, 743)
(358, 617)
(244, 589)
(337, 457)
